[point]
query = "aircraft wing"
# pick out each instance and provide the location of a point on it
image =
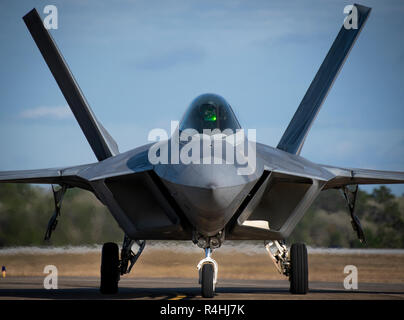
(347, 176)
(69, 176)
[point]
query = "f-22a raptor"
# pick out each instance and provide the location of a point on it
(204, 203)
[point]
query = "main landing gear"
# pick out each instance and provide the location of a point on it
(109, 268)
(112, 268)
(293, 264)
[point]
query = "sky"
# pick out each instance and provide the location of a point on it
(140, 64)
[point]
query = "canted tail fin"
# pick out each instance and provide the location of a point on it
(99, 139)
(293, 139)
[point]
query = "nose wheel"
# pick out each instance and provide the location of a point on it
(207, 286)
(207, 274)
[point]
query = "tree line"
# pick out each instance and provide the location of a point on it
(25, 211)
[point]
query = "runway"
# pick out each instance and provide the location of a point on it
(31, 288)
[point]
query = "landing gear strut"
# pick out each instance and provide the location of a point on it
(292, 264)
(350, 194)
(127, 255)
(53, 221)
(207, 274)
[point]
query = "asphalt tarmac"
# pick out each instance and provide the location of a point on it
(181, 288)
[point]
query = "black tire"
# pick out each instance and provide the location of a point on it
(109, 268)
(299, 275)
(207, 280)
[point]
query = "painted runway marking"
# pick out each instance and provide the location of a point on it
(178, 297)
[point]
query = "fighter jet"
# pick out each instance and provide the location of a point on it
(206, 203)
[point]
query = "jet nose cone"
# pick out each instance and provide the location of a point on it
(207, 176)
(208, 208)
(209, 190)
(209, 195)
(211, 199)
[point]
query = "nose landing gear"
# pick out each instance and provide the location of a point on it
(207, 268)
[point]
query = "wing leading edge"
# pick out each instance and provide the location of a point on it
(62, 176)
(347, 176)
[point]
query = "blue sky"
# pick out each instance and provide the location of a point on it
(140, 63)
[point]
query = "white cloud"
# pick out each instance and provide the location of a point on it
(59, 112)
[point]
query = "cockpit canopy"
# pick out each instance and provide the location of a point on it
(209, 111)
